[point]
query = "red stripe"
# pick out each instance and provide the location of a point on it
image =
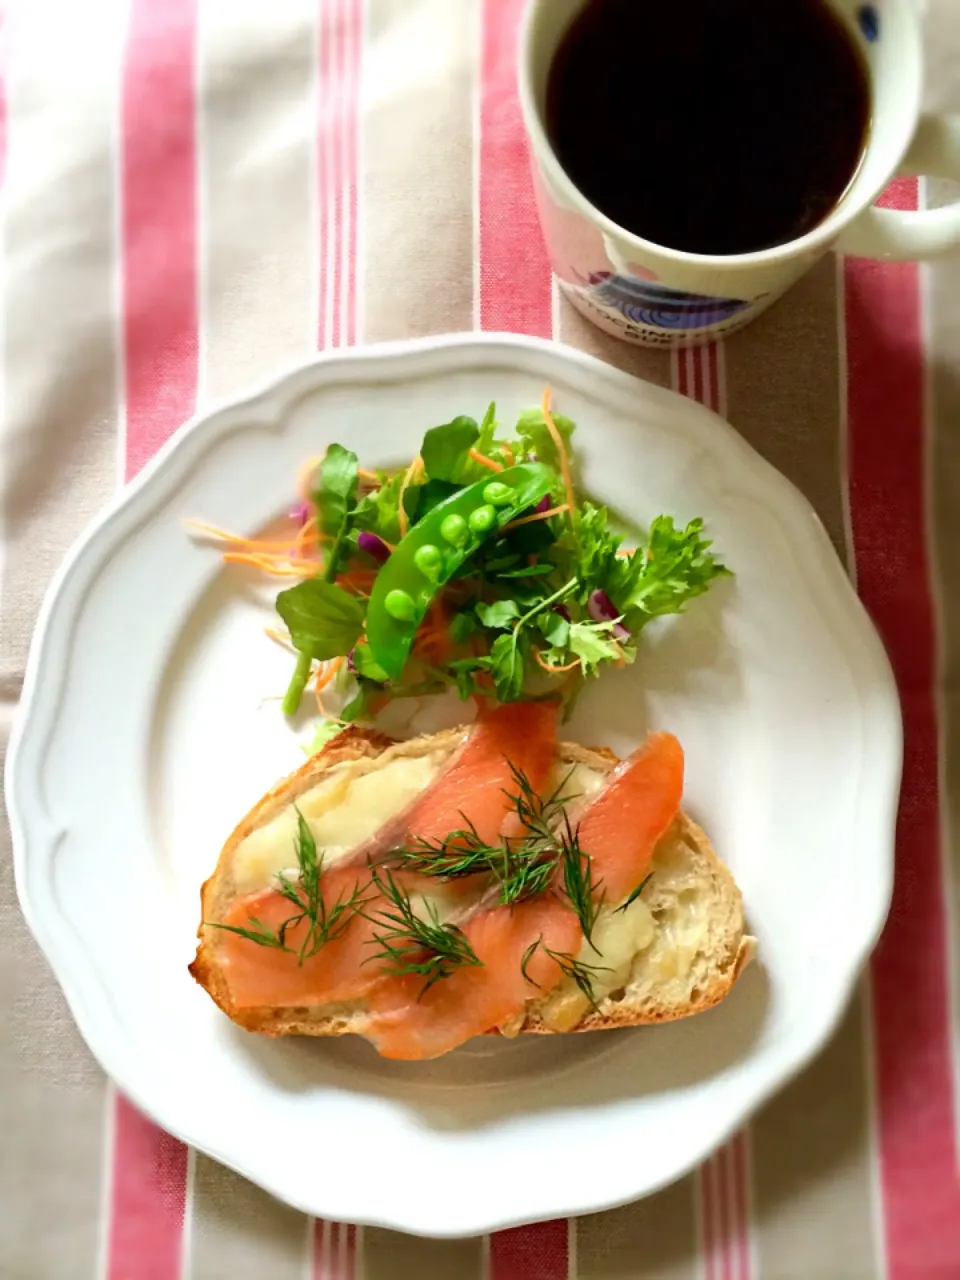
(515, 286)
(887, 468)
(351, 1269)
(158, 233)
(159, 224)
(537, 1252)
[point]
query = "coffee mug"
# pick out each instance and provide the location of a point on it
(654, 296)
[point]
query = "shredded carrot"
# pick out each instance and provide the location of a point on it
(368, 475)
(309, 533)
(358, 580)
(279, 566)
(626, 551)
(484, 460)
(412, 470)
(327, 671)
(433, 637)
(542, 515)
(561, 450)
(548, 666)
(224, 535)
(281, 637)
(305, 475)
(508, 455)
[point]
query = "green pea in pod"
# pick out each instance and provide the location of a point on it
(434, 550)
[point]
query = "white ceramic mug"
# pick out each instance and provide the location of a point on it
(648, 294)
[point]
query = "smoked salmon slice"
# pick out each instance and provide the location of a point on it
(475, 786)
(408, 1023)
(619, 831)
(621, 827)
(478, 781)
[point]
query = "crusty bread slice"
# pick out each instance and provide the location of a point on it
(687, 963)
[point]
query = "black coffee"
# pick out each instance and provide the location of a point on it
(713, 126)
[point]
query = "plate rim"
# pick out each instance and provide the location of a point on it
(794, 509)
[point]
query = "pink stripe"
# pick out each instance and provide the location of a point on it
(353, 206)
(323, 178)
(147, 1199)
(713, 360)
(515, 285)
(352, 56)
(709, 1225)
(739, 1176)
(4, 64)
(324, 1250)
(339, 55)
(515, 294)
(159, 224)
(339, 61)
(536, 1252)
(336, 70)
(334, 1251)
(888, 496)
(158, 185)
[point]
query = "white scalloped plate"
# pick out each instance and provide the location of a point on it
(144, 736)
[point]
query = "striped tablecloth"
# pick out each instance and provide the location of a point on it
(197, 193)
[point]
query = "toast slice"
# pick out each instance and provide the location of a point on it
(674, 952)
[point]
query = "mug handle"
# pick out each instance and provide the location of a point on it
(907, 236)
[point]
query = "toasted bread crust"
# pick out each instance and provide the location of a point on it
(356, 744)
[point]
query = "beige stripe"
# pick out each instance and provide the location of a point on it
(239, 1231)
(59, 451)
(783, 391)
(811, 1146)
(643, 362)
(256, 141)
(388, 1255)
(60, 428)
(258, 299)
(655, 1238)
(417, 181)
(943, 330)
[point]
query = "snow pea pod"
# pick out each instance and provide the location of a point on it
(436, 547)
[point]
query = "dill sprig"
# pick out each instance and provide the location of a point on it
(412, 944)
(521, 866)
(635, 894)
(577, 970)
(326, 923)
(579, 887)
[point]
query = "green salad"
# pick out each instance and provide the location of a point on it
(479, 567)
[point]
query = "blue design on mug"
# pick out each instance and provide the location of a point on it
(644, 303)
(869, 21)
